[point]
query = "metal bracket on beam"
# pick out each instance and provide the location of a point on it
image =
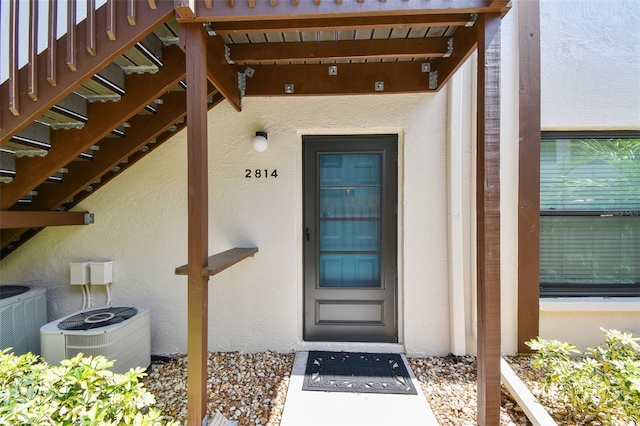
(433, 80)
(89, 219)
(333, 70)
(379, 86)
(207, 27)
(288, 88)
(242, 83)
(426, 67)
(472, 20)
(227, 54)
(449, 48)
(242, 80)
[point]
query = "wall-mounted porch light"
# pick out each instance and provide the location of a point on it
(260, 142)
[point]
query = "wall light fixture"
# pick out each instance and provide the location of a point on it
(260, 142)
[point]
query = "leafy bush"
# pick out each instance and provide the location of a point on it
(82, 391)
(601, 384)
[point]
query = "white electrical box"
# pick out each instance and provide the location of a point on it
(102, 272)
(79, 273)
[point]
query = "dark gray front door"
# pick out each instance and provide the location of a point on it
(350, 238)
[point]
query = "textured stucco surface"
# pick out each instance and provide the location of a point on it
(255, 305)
(590, 58)
(590, 69)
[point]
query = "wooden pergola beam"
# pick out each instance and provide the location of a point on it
(529, 173)
(351, 79)
(300, 24)
(220, 73)
(195, 40)
(254, 53)
(464, 43)
(488, 219)
(267, 10)
(21, 219)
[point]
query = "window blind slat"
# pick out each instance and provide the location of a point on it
(590, 175)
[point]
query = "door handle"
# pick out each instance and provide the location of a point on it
(307, 233)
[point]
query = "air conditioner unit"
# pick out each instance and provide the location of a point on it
(23, 310)
(121, 334)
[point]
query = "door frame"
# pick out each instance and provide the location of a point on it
(397, 344)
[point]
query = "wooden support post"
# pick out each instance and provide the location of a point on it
(529, 173)
(198, 232)
(488, 219)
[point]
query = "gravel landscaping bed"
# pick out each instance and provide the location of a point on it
(449, 384)
(251, 388)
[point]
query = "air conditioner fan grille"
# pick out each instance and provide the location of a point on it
(97, 318)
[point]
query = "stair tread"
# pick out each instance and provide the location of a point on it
(59, 121)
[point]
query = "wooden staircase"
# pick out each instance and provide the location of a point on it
(97, 100)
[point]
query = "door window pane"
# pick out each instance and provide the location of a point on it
(349, 203)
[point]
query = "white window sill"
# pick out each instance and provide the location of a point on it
(590, 304)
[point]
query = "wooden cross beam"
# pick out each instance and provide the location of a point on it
(21, 219)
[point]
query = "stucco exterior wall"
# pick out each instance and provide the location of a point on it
(255, 305)
(590, 81)
(590, 65)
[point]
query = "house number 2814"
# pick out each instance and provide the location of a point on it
(260, 173)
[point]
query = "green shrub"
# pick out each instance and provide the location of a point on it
(82, 391)
(601, 384)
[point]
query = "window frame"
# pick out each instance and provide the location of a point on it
(550, 290)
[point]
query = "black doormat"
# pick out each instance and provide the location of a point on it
(357, 372)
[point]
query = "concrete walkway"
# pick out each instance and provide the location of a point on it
(353, 409)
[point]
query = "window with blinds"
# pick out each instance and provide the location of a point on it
(590, 215)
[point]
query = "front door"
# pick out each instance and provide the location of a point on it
(350, 238)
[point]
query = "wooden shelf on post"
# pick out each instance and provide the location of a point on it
(221, 261)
